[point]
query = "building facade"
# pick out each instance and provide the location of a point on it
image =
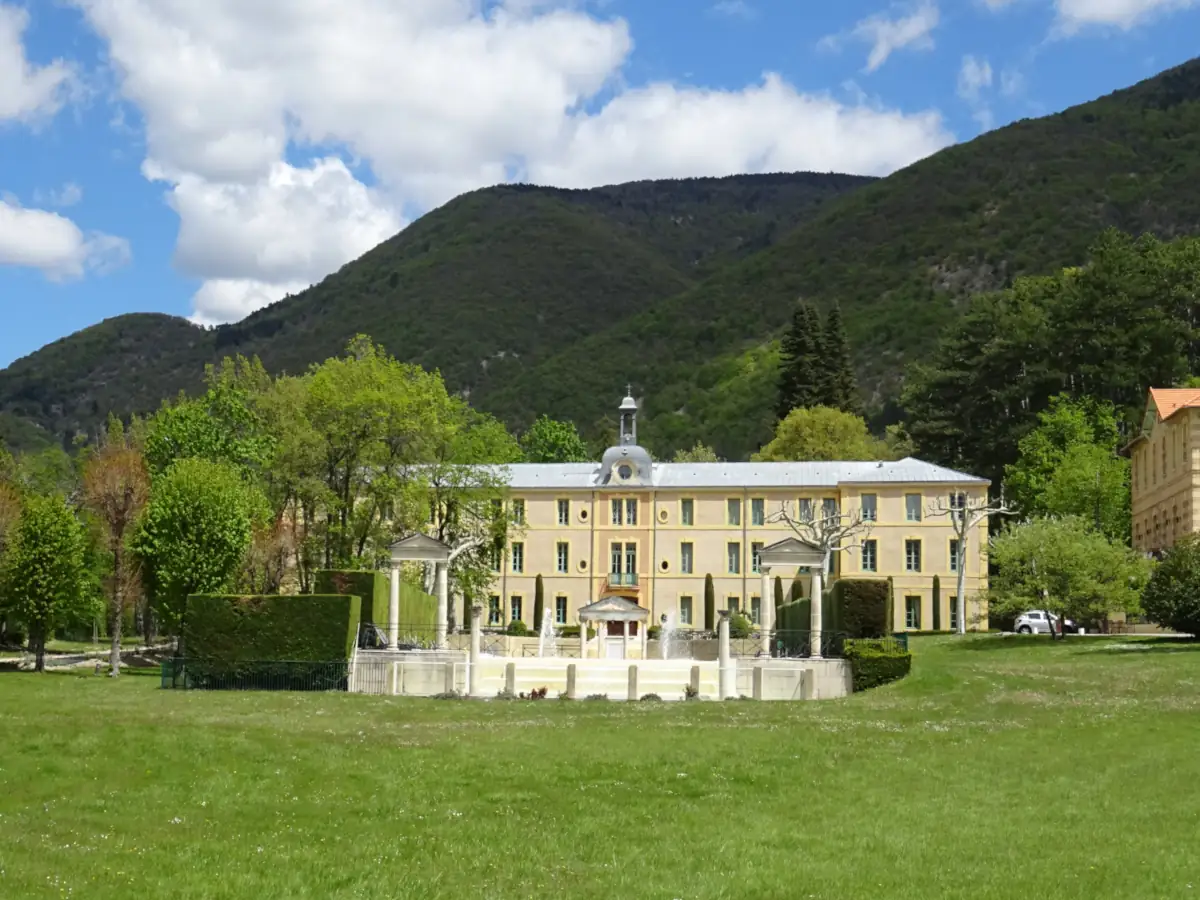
(652, 532)
(1165, 469)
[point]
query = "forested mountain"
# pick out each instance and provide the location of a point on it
(547, 301)
(492, 282)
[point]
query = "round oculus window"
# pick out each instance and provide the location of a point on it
(625, 472)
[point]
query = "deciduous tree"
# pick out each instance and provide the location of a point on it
(552, 441)
(44, 576)
(1172, 597)
(822, 433)
(116, 487)
(700, 453)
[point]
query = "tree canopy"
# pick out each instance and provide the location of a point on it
(552, 441)
(822, 433)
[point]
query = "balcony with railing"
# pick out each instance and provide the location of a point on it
(622, 579)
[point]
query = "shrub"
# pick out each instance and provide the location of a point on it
(539, 602)
(876, 662)
(650, 698)
(505, 694)
(740, 627)
(690, 693)
(859, 607)
(937, 603)
(572, 631)
(710, 604)
(1172, 598)
(596, 697)
(236, 630)
(517, 628)
(448, 695)
(654, 632)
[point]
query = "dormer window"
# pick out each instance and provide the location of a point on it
(625, 471)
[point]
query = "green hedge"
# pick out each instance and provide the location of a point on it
(861, 607)
(417, 609)
(234, 630)
(876, 662)
(372, 587)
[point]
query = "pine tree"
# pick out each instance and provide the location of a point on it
(710, 604)
(778, 592)
(836, 385)
(799, 362)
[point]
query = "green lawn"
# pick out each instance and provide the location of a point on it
(1000, 768)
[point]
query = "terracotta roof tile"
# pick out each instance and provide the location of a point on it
(1169, 401)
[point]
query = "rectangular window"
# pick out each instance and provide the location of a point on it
(756, 549)
(958, 503)
(560, 610)
(685, 610)
(494, 610)
(518, 512)
(806, 509)
(758, 511)
(954, 614)
(615, 559)
(518, 557)
(564, 557)
(686, 558)
(514, 607)
(829, 509)
(733, 550)
(912, 612)
(756, 610)
(912, 507)
(687, 512)
(631, 512)
(617, 508)
(870, 556)
(733, 511)
(497, 557)
(564, 512)
(870, 507)
(954, 555)
(630, 559)
(733, 604)
(912, 556)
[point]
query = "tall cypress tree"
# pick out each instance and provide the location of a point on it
(835, 379)
(799, 362)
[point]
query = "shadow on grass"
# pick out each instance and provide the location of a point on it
(1115, 644)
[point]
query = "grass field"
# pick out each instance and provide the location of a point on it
(1000, 768)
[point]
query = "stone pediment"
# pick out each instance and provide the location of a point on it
(792, 552)
(614, 609)
(419, 548)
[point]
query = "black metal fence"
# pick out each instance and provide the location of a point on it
(409, 636)
(266, 675)
(569, 650)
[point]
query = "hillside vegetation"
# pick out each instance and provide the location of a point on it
(539, 300)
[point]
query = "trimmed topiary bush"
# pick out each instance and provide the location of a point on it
(874, 662)
(740, 627)
(859, 607)
(370, 587)
(710, 604)
(517, 628)
(234, 630)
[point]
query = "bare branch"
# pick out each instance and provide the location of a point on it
(830, 532)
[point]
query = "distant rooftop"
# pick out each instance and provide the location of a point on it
(588, 476)
(1169, 401)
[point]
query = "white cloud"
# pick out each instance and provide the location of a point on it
(68, 195)
(907, 27)
(734, 9)
(37, 239)
(974, 77)
(436, 98)
(1124, 14)
(26, 91)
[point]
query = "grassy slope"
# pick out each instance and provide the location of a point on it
(899, 255)
(1002, 768)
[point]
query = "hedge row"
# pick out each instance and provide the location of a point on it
(417, 609)
(876, 662)
(234, 629)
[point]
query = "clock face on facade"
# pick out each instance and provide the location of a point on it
(625, 472)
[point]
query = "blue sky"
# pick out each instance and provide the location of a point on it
(203, 159)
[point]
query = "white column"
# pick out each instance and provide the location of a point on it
(818, 590)
(625, 640)
(473, 667)
(725, 671)
(645, 627)
(443, 605)
(394, 609)
(766, 607)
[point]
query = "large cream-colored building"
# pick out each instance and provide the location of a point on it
(652, 531)
(1165, 469)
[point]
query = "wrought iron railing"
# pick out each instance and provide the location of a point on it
(409, 636)
(180, 673)
(563, 648)
(622, 579)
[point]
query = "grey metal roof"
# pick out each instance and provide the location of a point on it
(585, 476)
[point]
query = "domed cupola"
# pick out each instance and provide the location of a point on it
(627, 463)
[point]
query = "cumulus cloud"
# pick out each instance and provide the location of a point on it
(26, 91)
(974, 77)
(37, 239)
(247, 105)
(905, 27)
(67, 195)
(1125, 14)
